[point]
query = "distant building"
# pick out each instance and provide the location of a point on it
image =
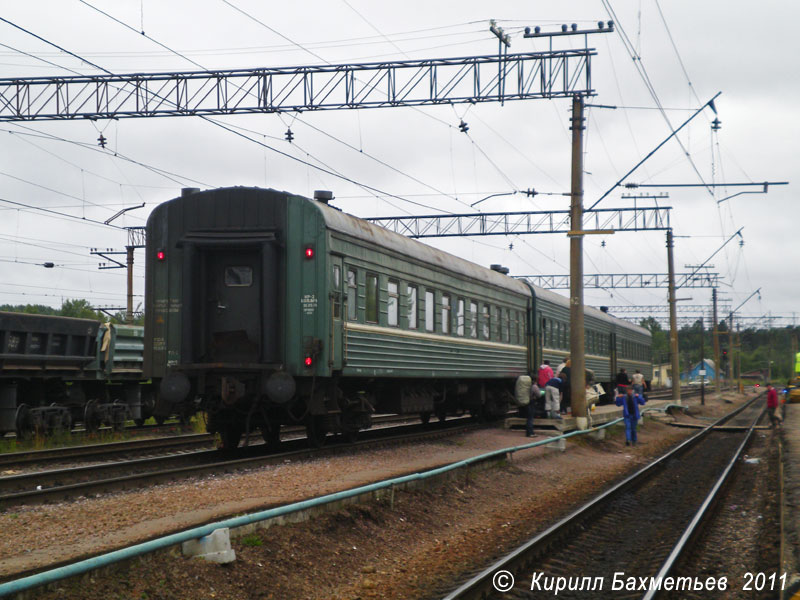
(662, 375)
(694, 373)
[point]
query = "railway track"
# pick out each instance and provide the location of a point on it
(639, 528)
(147, 447)
(61, 484)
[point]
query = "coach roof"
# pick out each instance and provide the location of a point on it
(381, 237)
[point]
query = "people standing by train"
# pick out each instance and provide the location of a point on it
(630, 412)
(638, 382)
(566, 389)
(772, 406)
(622, 382)
(552, 397)
(545, 374)
(536, 394)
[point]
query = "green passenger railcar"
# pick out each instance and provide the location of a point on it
(271, 309)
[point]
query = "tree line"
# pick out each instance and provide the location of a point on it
(77, 308)
(758, 347)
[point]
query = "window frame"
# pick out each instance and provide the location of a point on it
(430, 311)
(375, 304)
(460, 316)
(412, 305)
(447, 309)
(352, 308)
(473, 322)
(393, 303)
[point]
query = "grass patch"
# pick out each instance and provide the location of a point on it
(252, 540)
(198, 421)
(61, 439)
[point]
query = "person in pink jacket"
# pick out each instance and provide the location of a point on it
(545, 374)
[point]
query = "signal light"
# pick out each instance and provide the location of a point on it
(308, 361)
(309, 252)
(161, 255)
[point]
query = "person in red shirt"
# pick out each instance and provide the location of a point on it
(545, 374)
(772, 406)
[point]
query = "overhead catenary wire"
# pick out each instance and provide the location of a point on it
(640, 68)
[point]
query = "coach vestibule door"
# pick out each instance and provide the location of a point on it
(338, 306)
(612, 353)
(233, 305)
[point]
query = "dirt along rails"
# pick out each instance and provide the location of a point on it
(416, 548)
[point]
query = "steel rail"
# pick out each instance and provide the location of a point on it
(31, 495)
(480, 585)
(689, 534)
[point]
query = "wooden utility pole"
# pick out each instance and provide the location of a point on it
(715, 341)
(673, 323)
(576, 331)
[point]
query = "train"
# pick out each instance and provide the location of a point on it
(265, 308)
(58, 371)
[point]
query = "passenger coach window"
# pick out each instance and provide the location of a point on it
(429, 310)
(473, 323)
(460, 317)
(352, 295)
(238, 276)
(393, 303)
(504, 335)
(487, 323)
(337, 292)
(412, 307)
(445, 314)
(372, 298)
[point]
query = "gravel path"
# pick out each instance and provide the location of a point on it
(41, 535)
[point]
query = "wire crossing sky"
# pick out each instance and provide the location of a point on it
(58, 185)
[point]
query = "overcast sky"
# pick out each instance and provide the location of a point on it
(747, 52)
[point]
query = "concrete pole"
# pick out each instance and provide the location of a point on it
(673, 323)
(702, 362)
(129, 312)
(715, 339)
(576, 331)
(739, 358)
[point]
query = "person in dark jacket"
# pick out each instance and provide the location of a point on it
(536, 394)
(566, 389)
(623, 382)
(630, 412)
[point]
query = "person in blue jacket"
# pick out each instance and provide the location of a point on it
(630, 411)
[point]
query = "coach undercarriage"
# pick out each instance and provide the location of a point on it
(239, 404)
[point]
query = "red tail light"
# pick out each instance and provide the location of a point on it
(308, 361)
(161, 255)
(309, 252)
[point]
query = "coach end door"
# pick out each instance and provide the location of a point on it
(233, 306)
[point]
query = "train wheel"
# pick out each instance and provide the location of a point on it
(91, 419)
(315, 431)
(139, 422)
(160, 420)
(230, 436)
(425, 417)
(272, 435)
(24, 422)
(65, 423)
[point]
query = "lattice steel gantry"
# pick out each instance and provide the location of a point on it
(472, 79)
